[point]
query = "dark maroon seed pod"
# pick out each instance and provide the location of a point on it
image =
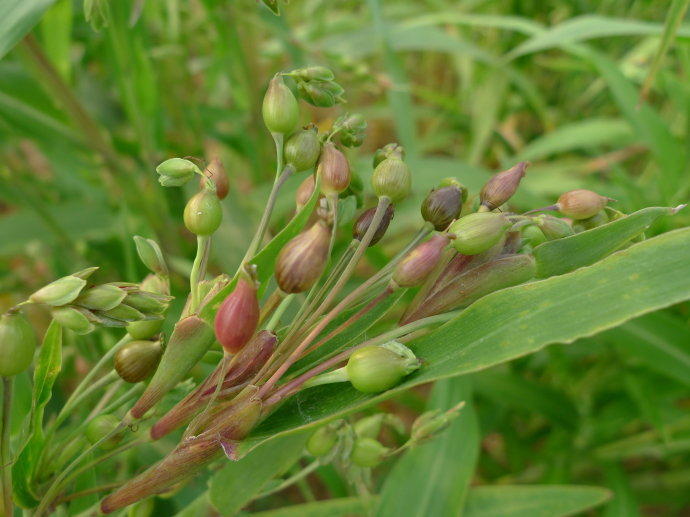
(501, 187)
(215, 171)
(416, 266)
(442, 206)
(238, 316)
(364, 221)
(302, 260)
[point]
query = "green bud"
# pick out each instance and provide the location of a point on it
(477, 232)
(431, 423)
(203, 213)
(144, 329)
(148, 303)
(392, 179)
(310, 73)
(137, 360)
(376, 368)
(351, 128)
(85, 273)
(597, 219)
(302, 149)
(280, 109)
(123, 312)
(442, 206)
(175, 172)
(334, 170)
(553, 227)
(74, 319)
(370, 426)
(151, 255)
(323, 440)
(17, 344)
(387, 151)
(101, 297)
(368, 452)
(60, 292)
(100, 427)
(532, 235)
(581, 203)
(316, 95)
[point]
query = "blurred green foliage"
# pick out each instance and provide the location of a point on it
(88, 109)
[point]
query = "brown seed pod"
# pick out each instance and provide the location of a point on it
(304, 191)
(333, 169)
(581, 203)
(442, 206)
(364, 221)
(416, 266)
(302, 260)
(501, 187)
(215, 171)
(137, 360)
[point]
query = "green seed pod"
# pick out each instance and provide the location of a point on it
(311, 73)
(412, 270)
(596, 220)
(144, 329)
(431, 423)
(280, 109)
(477, 232)
(100, 427)
(123, 312)
(334, 170)
(364, 221)
(215, 171)
(151, 255)
(203, 213)
(553, 227)
(532, 235)
(323, 440)
(302, 260)
(74, 319)
(387, 151)
(190, 340)
(373, 369)
(392, 179)
(442, 206)
(501, 187)
(370, 426)
(581, 204)
(175, 172)
(304, 191)
(101, 297)
(137, 360)
(60, 292)
(17, 344)
(85, 273)
(368, 452)
(316, 95)
(302, 149)
(148, 303)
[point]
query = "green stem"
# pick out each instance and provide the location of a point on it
(339, 375)
(275, 318)
(74, 402)
(203, 246)
(5, 461)
(292, 479)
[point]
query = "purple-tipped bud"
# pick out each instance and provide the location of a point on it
(238, 316)
(501, 187)
(364, 221)
(334, 170)
(215, 171)
(280, 109)
(581, 203)
(477, 232)
(303, 148)
(420, 262)
(302, 260)
(442, 206)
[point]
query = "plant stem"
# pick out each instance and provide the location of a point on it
(271, 304)
(93, 490)
(275, 319)
(291, 386)
(292, 479)
(203, 246)
(75, 401)
(338, 375)
(5, 461)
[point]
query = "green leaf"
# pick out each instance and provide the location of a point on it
(17, 17)
(515, 322)
(265, 259)
(239, 481)
(585, 248)
(341, 507)
(533, 501)
(45, 373)
(433, 479)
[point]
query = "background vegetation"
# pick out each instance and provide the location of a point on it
(595, 94)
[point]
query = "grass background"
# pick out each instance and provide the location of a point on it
(595, 94)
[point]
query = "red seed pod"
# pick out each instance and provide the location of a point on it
(416, 266)
(215, 171)
(302, 260)
(501, 187)
(334, 170)
(238, 317)
(364, 221)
